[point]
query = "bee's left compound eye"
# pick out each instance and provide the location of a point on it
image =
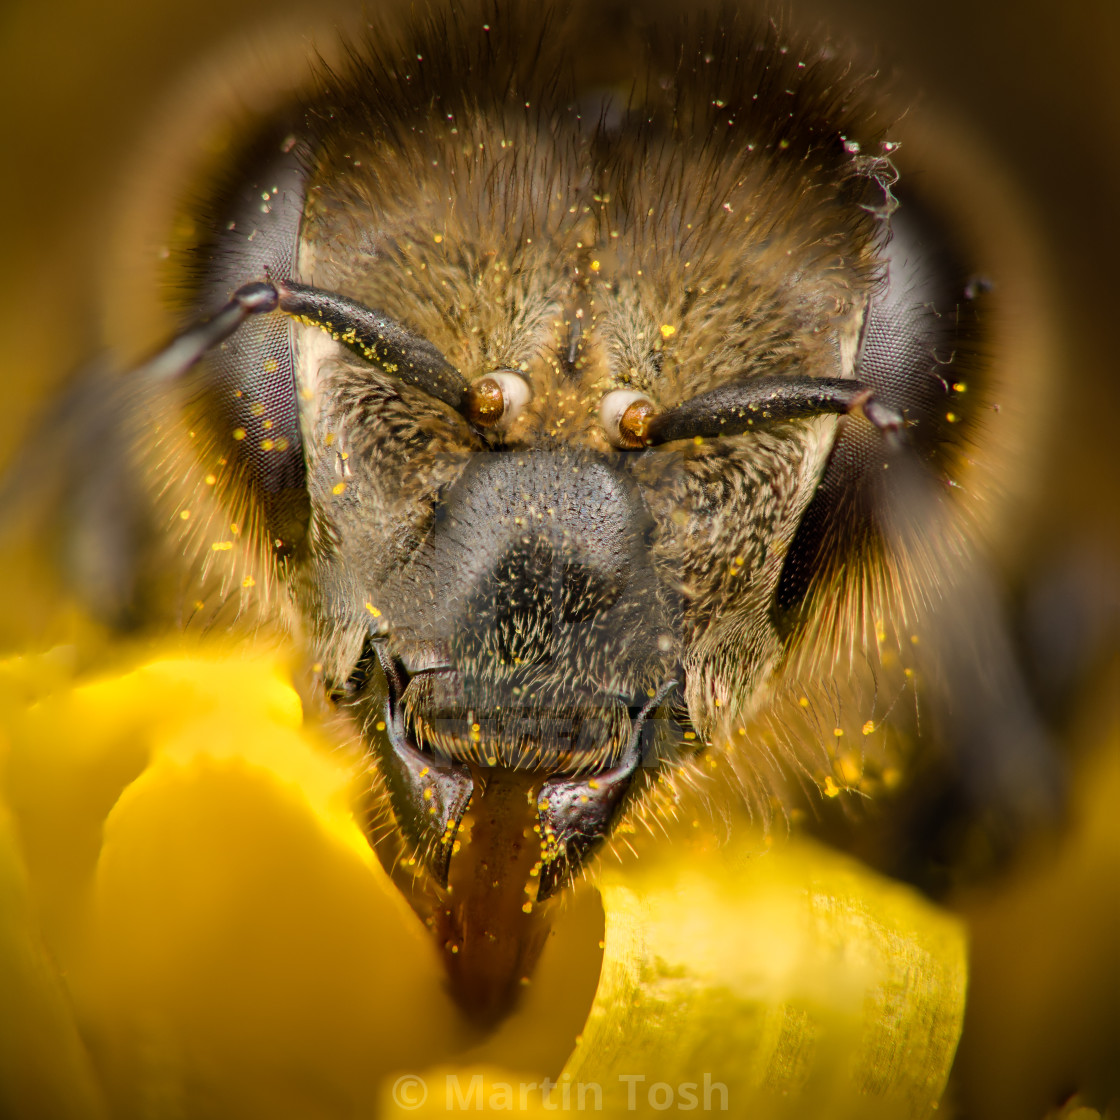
(625, 415)
(495, 401)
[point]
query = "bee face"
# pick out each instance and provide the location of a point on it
(577, 422)
(570, 399)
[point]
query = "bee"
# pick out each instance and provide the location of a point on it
(593, 396)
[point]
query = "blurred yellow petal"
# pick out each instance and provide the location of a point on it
(75, 749)
(1046, 943)
(44, 1067)
(231, 946)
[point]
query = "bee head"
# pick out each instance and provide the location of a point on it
(559, 392)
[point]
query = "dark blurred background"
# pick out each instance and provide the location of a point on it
(1038, 85)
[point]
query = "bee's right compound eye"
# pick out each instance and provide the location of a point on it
(247, 402)
(495, 401)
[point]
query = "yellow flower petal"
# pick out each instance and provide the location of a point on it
(44, 1067)
(185, 851)
(790, 984)
(230, 944)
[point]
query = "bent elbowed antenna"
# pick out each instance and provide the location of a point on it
(733, 409)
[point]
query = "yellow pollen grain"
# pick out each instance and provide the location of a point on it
(528, 907)
(185, 514)
(338, 488)
(831, 789)
(222, 546)
(804, 701)
(373, 610)
(838, 732)
(428, 794)
(211, 479)
(668, 330)
(595, 266)
(267, 444)
(239, 433)
(438, 238)
(380, 725)
(868, 727)
(248, 581)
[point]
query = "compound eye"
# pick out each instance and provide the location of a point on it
(495, 401)
(248, 402)
(625, 415)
